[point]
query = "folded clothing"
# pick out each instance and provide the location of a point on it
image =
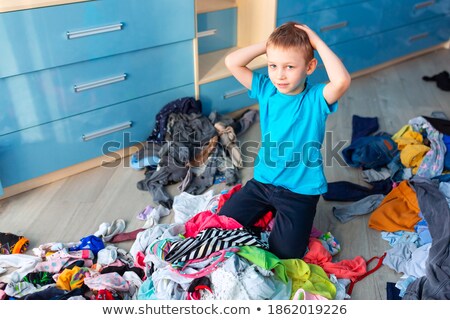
(12, 244)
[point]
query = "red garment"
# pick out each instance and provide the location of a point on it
(262, 223)
(207, 219)
(348, 269)
(225, 196)
(104, 294)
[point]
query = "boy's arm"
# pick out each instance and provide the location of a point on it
(238, 60)
(336, 71)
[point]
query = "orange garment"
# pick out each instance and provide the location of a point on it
(348, 269)
(399, 210)
(71, 279)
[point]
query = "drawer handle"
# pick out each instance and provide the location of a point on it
(418, 36)
(424, 4)
(90, 32)
(234, 93)
(334, 26)
(104, 132)
(206, 33)
(99, 83)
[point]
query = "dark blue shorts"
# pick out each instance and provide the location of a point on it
(294, 215)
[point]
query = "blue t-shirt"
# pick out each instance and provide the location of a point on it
(292, 132)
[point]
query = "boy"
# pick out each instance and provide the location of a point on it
(288, 174)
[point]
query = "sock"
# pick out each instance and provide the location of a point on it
(442, 80)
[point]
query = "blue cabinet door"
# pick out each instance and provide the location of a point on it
(39, 97)
(217, 30)
(225, 95)
(47, 37)
(30, 153)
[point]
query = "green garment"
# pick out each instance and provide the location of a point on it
(265, 260)
(310, 277)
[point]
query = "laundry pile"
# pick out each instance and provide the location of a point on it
(201, 255)
(408, 200)
(188, 147)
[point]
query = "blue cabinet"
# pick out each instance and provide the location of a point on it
(61, 35)
(32, 152)
(225, 95)
(367, 33)
(80, 80)
(216, 30)
(51, 94)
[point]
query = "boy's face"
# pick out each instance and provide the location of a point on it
(288, 69)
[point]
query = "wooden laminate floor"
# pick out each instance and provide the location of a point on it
(74, 207)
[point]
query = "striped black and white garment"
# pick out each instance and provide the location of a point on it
(209, 241)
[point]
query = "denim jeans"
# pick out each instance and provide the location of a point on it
(370, 152)
(294, 215)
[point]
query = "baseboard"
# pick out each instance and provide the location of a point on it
(67, 172)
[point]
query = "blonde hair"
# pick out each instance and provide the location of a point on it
(289, 36)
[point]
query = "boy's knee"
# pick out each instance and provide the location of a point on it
(287, 250)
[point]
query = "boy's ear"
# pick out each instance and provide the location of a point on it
(311, 66)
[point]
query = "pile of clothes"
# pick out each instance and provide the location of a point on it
(188, 147)
(408, 200)
(200, 256)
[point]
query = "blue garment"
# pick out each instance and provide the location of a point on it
(370, 152)
(363, 126)
(292, 132)
(349, 191)
(446, 139)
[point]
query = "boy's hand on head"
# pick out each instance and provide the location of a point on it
(313, 37)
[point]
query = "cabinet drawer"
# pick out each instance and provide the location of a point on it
(66, 34)
(225, 95)
(398, 13)
(354, 55)
(39, 150)
(419, 36)
(341, 24)
(359, 54)
(216, 30)
(39, 97)
(287, 8)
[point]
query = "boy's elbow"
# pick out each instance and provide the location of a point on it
(345, 82)
(228, 62)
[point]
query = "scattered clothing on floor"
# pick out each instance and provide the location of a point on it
(442, 80)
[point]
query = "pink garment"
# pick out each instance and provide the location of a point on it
(56, 265)
(111, 281)
(347, 269)
(307, 295)
(139, 260)
(206, 220)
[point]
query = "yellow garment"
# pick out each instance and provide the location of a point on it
(71, 279)
(410, 137)
(402, 131)
(310, 277)
(412, 155)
